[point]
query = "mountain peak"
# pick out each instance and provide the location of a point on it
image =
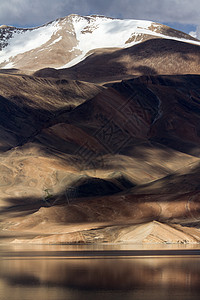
(71, 39)
(6, 26)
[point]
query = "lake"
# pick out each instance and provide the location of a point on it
(99, 272)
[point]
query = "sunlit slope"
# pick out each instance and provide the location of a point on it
(112, 156)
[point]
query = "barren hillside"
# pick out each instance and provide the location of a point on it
(106, 149)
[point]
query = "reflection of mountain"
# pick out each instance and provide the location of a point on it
(78, 156)
(145, 274)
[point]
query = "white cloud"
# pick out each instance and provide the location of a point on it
(193, 33)
(196, 34)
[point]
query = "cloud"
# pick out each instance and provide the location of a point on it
(198, 32)
(193, 33)
(37, 12)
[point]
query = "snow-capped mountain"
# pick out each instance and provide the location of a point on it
(67, 41)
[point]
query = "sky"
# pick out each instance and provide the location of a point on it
(180, 14)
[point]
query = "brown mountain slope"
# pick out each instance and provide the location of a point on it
(110, 160)
(140, 110)
(29, 104)
(147, 233)
(155, 56)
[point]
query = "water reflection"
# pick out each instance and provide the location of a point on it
(135, 278)
(5, 248)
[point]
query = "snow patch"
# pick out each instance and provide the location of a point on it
(56, 41)
(75, 61)
(10, 65)
(101, 32)
(24, 41)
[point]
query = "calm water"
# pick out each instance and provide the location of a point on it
(46, 273)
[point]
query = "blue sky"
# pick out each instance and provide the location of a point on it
(180, 14)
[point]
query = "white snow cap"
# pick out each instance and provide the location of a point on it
(91, 32)
(25, 40)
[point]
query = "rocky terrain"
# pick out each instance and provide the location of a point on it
(106, 151)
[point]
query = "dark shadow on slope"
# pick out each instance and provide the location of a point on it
(178, 144)
(83, 188)
(96, 120)
(9, 71)
(174, 184)
(116, 208)
(22, 116)
(143, 57)
(22, 123)
(105, 196)
(146, 70)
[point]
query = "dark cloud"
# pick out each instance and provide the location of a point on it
(37, 12)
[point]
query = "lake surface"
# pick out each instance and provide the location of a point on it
(99, 272)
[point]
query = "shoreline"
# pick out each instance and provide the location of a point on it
(100, 253)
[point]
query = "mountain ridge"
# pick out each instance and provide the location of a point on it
(69, 39)
(151, 57)
(107, 150)
(105, 161)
